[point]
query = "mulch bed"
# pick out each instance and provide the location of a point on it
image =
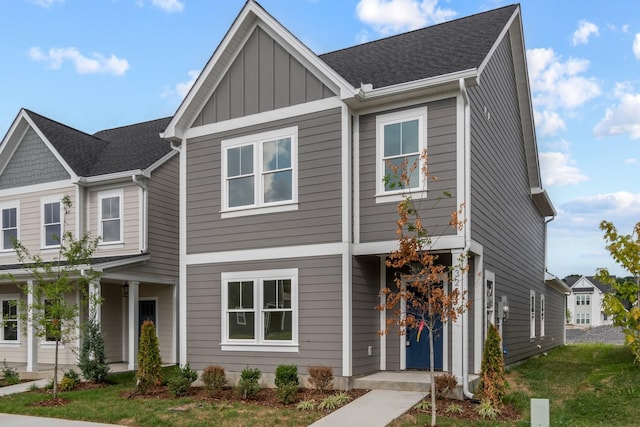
(469, 411)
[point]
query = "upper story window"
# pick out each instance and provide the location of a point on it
(9, 319)
(9, 227)
(260, 310)
(110, 216)
(52, 223)
(259, 173)
(583, 299)
(401, 138)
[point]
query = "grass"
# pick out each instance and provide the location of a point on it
(586, 384)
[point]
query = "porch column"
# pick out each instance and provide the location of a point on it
(95, 293)
(32, 338)
(134, 292)
(457, 346)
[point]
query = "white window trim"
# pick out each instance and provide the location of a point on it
(9, 205)
(16, 298)
(105, 195)
(543, 309)
(45, 201)
(383, 196)
(532, 313)
(259, 207)
(258, 344)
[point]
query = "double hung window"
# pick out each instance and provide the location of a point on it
(259, 172)
(9, 320)
(9, 227)
(110, 216)
(259, 310)
(52, 224)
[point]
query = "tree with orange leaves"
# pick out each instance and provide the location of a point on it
(420, 282)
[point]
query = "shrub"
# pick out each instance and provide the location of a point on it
(70, 380)
(10, 375)
(333, 402)
(306, 405)
(321, 377)
(181, 380)
(445, 384)
(486, 409)
(423, 406)
(287, 382)
(248, 386)
(214, 379)
(492, 386)
(92, 360)
(149, 361)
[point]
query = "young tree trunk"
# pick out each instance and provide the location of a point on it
(432, 371)
(55, 372)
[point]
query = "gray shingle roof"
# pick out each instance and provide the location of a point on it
(453, 46)
(125, 148)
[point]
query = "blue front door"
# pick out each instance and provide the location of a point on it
(417, 356)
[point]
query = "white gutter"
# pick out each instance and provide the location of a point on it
(108, 177)
(467, 245)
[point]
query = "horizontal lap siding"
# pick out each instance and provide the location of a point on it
(319, 316)
(12, 351)
(365, 317)
(377, 220)
(130, 220)
(318, 218)
(504, 218)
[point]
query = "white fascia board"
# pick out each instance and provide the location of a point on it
(102, 179)
(385, 247)
(556, 283)
(16, 132)
(46, 186)
(51, 148)
(148, 171)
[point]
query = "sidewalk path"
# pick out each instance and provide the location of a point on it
(376, 408)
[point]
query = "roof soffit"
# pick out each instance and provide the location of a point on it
(250, 17)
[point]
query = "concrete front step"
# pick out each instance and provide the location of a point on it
(401, 381)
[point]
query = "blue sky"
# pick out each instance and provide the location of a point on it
(105, 63)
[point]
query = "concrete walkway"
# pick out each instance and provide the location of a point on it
(376, 408)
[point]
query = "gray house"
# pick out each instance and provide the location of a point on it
(122, 184)
(285, 219)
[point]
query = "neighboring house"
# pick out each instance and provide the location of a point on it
(285, 219)
(123, 187)
(585, 301)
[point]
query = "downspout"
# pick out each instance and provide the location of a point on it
(467, 237)
(181, 308)
(144, 214)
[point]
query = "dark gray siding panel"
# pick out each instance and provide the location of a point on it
(318, 218)
(365, 289)
(554, 323)
(32, 163)
(504, 218)
(163, 215)
(319, 316)
(377, 220)
(263, 77)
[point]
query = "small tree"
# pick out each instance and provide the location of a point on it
(92, 361)
(52, 315)
(623, 305)
(149, 361)
(420, 279)
(492, 386)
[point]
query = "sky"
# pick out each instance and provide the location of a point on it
(101, 64)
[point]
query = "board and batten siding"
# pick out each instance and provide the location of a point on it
(378, 220)
(319, 316)
(130, 220)
(318, 217)
(365, 317)
(30, 221)
(32, 163)
(504, 219)
(263, 77)
(163, 217)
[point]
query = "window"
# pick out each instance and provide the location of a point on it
(9, 320)
(260, 310)
(583, 299)
(542, 307)
(9, 227)
(532, 310)
(259, 173)
(401, 138)
(52, 226)
(110, 216)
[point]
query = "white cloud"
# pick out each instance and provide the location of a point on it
(392, 16)
(636, 46)
(169, 5)
(548, 122)
(182, 88)
(557, 84)
(558, 169)
(631, 161)
(585, 30)
(623, 118)
(97, 63)
(46, 3)
(622, 208)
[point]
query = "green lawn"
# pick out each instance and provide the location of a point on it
(587, 385)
